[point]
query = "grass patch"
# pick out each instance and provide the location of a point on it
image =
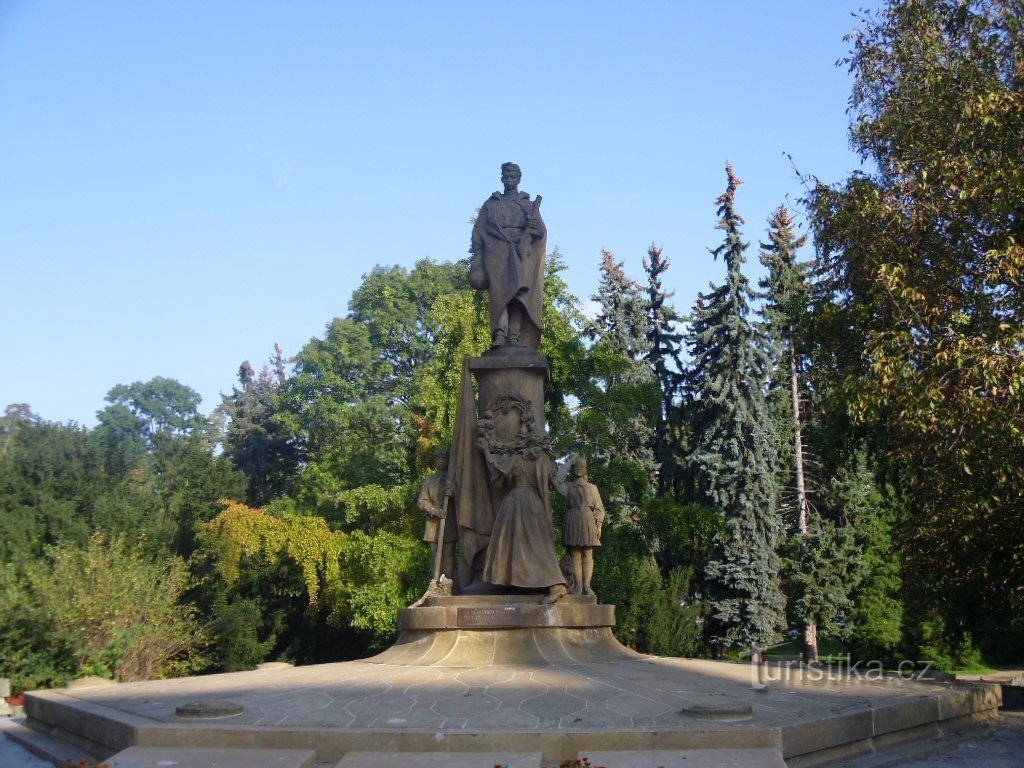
(828, 651)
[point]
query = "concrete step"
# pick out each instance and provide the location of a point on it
(179, 757)
(441, 760)
(46, 745)
(687, 758)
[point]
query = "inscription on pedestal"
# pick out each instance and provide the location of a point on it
(498, 616)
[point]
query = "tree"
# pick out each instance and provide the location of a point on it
(622, 322)
(734, 461)
(927, 254)
(855, 500)
(117, 612)
(787, 292)
(620, 402)
(350, 399)
(147, 412)
(664, 356)
(254, 439)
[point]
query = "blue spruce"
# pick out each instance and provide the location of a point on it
(734, 460)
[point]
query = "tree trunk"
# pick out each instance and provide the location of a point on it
(810, 628)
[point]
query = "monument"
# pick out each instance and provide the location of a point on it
(511, 597)
(519, 666)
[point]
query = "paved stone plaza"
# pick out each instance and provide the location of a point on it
(645, 703)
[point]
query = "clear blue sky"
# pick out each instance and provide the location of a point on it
(184, 183)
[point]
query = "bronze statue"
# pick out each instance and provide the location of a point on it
(435, 501)
(508, 246)
(584, 519)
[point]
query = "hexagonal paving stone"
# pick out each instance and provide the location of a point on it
(503, 718)
(404, 677)
(591, 690)
(297, 704)
(484, 676)
(554, 677)
(513, 692)
(554, 705)
(333, 716)
(595, 718)
(637, 706)
(382, 705)
(356, 691)
(439, 689)
(466, 705)
(417, 717)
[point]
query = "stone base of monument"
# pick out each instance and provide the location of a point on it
(489, 630)
(678, 712)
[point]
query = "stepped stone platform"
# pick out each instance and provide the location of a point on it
(481, 631)
(632, 704)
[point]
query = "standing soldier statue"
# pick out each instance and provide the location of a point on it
(508, 246)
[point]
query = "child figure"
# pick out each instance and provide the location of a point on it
(583, 521)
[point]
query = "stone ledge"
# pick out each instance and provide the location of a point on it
(509, 357)
(441, 759)
(504, 615)
(527, 598)
(687, 758)
(497, 647)
(184, 757)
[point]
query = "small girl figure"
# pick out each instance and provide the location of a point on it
(583, 521)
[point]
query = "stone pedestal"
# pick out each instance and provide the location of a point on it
(495, 630)
(520, 370)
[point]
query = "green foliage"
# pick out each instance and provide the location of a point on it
(236, 626)
(734, 461)
(787, 285)
(352, 399)
(464, 330)
(927, 258)
(55, 486)
(381, 574)
(106, 609)
(31, 654)
(664, 355)
(240, 531)
(307, 582)
(254, 439)
(142, 415)
(622, 320)
(373, 508)
(679, 534)
(951, 650)
(875, 619)
(659, 616)
(619, 398)
(823, 568)
(561, 342)
(50, 478)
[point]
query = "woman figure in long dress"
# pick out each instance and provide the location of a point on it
(521, 552)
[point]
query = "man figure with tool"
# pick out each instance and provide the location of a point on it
(435, 501)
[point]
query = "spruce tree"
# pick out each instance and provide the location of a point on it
(663, 355)
(787, 293)
(254, 440)
(622, 322)
(734, 458)
(615, 424)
